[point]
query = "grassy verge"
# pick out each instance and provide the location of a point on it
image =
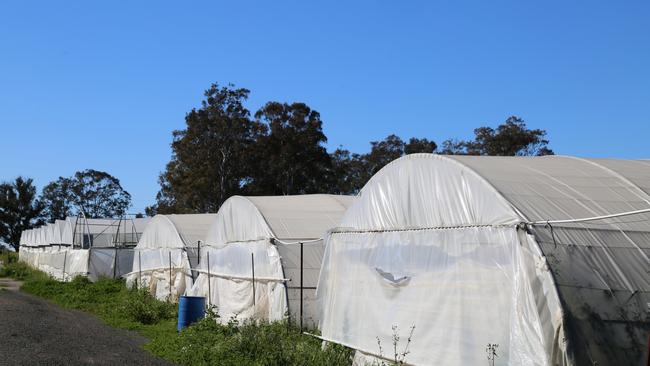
(204, 343)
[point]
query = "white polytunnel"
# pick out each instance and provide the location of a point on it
(67, 227)
(256, 250)
(79, 246)
(456, 254)
(167, 252)
(50, 234)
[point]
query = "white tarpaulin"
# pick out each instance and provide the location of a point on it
(78, 246)
(262, 235)
(433, 242)
(163, 254)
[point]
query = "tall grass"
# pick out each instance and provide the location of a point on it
(204, 343)
(278, 343)
(11, 267)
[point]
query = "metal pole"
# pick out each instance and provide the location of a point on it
(139, 268)
(648, 362)
(253, 268)
(209, 295)
(170, 275)
(90, 253)
(65, 258)
(74, 231)
(301, 276)
(115, 244)
(115, 264)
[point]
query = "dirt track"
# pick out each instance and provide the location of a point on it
(36, 332)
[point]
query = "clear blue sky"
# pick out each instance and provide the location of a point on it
(101, 85)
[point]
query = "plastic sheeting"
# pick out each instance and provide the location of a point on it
(175, 231)
(66, 263)
(66, 227)
(62, 264)
(430, 244)
(312, 258)
(266, 231)
(231, 281)
(600, 267)
(50, 247)
(587, 282)
(153, 269)
(460, 289)
(164, 251)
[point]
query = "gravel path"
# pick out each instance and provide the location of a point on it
(36, 332)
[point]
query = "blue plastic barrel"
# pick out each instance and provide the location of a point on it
(190, 309)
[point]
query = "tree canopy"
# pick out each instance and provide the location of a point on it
(56, 199)
(93, 192)
(291, 158)
(19, 209)
(512, 138)
(281, 150)
(211, 156)
(224, 152)
(352, 171)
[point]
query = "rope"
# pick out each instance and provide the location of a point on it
(311, 241)
(545, 223)
(235, 277)
(272, 240)
(548, 225)
(344, 231)
(594, 218)
(175, 269)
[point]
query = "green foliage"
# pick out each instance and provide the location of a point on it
(57, 201)
(11, 267)
(223, 152)
(210, 343)
(19, 209)
(204, 343)
(291, 156)
(352, 171)
(512, 138)
(212, 157)
(141, 307)
(7, 257)
(107, 298)
(19, 271)
(348, 172)
(95, 193)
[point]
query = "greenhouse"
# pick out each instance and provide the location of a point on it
(78, 246)
(263, 254)
(543, 260)
(167, 252)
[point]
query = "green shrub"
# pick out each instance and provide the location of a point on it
(17, 270)
(7, 257)
(208, 343)
(142, 307)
